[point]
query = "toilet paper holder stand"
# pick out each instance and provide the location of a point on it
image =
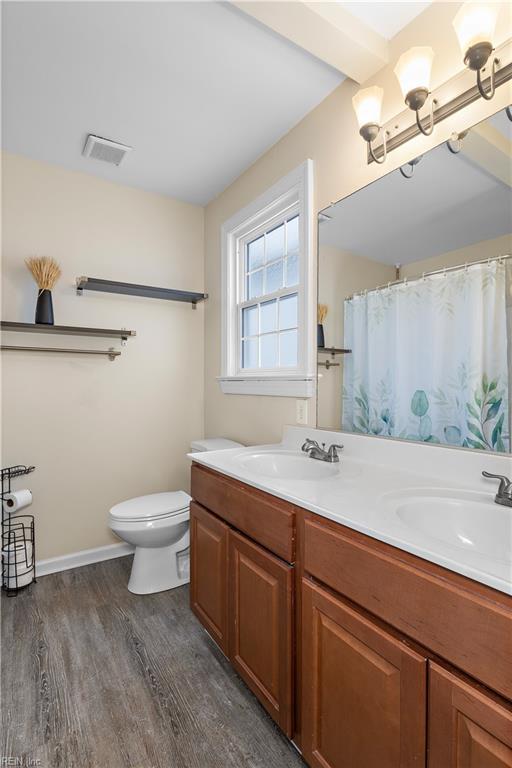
(18, 538)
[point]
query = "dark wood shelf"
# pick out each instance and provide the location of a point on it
(334, 351)
(133, 289)
(67, 330)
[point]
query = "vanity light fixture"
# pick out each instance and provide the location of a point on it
(368, 107)
(413, 71)
(474, 25)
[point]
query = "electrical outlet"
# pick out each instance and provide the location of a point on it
(301, 414)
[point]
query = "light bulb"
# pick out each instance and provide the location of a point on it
(474, 24)
(413, 70)
(368, 106)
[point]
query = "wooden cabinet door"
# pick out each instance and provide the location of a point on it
(261, 616)
(209, 573)
(467, 728)
(364, 696)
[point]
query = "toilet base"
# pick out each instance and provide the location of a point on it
(155, 569)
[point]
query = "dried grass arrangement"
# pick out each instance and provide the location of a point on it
(44, 270)
(322, 312)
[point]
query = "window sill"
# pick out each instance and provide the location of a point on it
(272, 386)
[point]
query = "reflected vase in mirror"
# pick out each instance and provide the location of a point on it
(321, 314)
(428, 318)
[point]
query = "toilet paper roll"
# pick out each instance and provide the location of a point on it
(17, 500)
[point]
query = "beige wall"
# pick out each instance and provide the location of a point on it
(99, 431)
(329, 136)
(486, 249)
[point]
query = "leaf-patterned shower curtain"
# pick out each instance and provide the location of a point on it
(430, 359)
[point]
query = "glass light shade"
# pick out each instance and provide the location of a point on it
(413, 69)
(475, 23)
(368, 105)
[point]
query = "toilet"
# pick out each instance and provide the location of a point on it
(158, 526)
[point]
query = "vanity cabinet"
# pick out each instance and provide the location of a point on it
(365, 655)
(242, 593)
(363, 690)
(467, 727)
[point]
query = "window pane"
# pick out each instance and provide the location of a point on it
(268, 316)
(292, 235)
(269, 351)
(292, 269)
(288, 312)
(250, 321)
(255, 253)
(255, 284)
(274, 277)
(288, 349)
(250, 353)
(274, 244)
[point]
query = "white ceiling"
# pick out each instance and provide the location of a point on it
(450, 203)
(197, 88)
(387, 19)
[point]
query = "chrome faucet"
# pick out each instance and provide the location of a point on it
(504, 495)
(314, 451)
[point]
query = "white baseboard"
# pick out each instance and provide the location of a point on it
(85, 557)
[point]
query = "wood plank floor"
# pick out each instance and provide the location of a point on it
(95, 677)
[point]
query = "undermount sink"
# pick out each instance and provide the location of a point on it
(466, 520)
(287, 465)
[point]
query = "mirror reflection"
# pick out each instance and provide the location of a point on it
(415, 298)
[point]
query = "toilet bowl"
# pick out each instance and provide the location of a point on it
(157, 526)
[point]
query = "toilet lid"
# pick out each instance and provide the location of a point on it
(153, 506)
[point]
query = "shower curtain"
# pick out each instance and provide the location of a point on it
(430, 359)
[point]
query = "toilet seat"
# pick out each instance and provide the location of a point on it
(155, 506)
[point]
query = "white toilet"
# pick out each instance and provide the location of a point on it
(158, 526)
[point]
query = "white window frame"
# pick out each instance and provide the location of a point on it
(292, 194)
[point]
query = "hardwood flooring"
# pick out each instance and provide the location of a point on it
(95, 677)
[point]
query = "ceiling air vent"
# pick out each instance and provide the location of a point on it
(104, 149)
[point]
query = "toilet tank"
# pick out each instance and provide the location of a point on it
(213, 444)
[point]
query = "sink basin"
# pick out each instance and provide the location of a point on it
(287, 465)
(465, 520)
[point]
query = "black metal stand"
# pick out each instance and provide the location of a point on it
(18, 539)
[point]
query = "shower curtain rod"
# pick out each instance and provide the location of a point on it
(441, 271)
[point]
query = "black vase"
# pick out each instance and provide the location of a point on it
(44, 308)
(320, 340)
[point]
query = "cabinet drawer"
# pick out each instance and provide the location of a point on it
(463, 622)
(264, 518)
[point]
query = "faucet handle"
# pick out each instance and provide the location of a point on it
(505, 486)
(308, 443)
(332, 453)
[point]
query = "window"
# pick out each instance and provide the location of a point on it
(267, 302)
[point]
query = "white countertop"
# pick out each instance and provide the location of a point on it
(368, 483)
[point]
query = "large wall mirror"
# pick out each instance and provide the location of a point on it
(415, 298)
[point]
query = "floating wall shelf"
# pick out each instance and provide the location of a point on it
(67, 330)
(334, 351)
(132, 289)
